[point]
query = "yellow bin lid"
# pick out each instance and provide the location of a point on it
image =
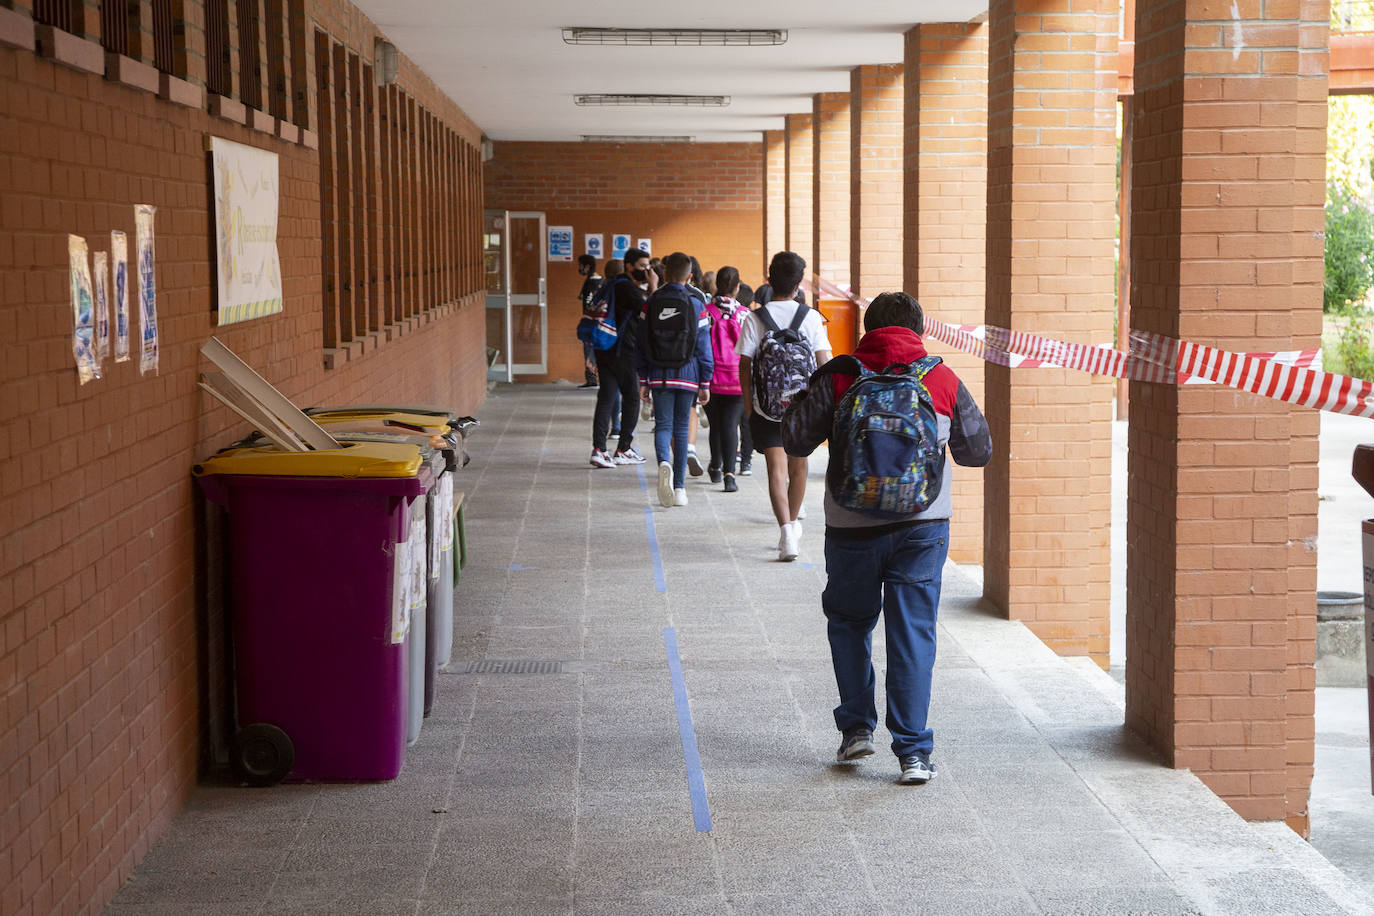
(364, 419)
(354, 459)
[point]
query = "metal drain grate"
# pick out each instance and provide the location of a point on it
(517, 666)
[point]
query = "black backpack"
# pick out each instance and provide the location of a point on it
(671, 328)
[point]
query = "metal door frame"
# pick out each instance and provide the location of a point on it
(502, 371)
(540, 298)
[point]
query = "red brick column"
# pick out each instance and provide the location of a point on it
(798, 206)
(945, 213)
(829, 256)
(774, 195)
(1050, 239)
(875, 178)
(1229, 135)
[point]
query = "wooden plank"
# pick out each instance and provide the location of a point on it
(271, 400)
(262, 422)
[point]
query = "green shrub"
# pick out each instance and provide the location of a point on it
(1355, 347)
(1349, 250)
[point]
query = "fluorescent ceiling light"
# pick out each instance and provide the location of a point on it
(632, 138)
(691, 37)
(639, 99)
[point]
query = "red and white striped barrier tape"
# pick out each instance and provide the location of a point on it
(1285, 376)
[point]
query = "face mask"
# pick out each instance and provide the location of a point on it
(641, 275)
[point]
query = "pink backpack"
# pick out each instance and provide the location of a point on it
(725, 331)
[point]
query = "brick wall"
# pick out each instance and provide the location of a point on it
(1227, 171)
(830, 224)
(875, 183)
(98, 675)
(1051, 212)
(702, 198)
(799, 151)
(945, 214)
(775, 195)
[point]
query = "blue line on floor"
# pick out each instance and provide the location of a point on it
(643, 483)
(660, 583)
(696, 782)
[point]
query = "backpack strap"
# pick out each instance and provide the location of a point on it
(922, 366)
(799, 316)
(770, 326)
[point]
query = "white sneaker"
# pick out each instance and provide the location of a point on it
(782, 534)
(665, 484)
(601, 460)
(797, 529)
(679, 497)
(629, 456)
(694, 463)
(646, 410)
(787, 550)
(801, 512)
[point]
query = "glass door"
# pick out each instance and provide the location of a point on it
(496, 262)
(528, 281)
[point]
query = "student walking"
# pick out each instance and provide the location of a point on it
(675, 363)
(780, 345)
(727, 400)
(887, 513)
(615, 362)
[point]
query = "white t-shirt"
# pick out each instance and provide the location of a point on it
(782, 313)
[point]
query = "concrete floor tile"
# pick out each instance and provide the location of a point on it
(649, 905)
(854, 901)
(1112, 900)
(616, 869)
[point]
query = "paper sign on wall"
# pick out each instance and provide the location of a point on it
(102, 305)
(560, 243)
(119, 254)
(646, 246)
(620, 243)
(595, 245)
(247, 264)
(147, 286)
(83, 310)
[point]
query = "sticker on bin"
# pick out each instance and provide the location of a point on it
(400, 593)
(418, 556)
(445, 514)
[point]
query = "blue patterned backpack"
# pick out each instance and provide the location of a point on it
(891, 461)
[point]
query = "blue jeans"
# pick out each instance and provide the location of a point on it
(898, 575)
(673, 415)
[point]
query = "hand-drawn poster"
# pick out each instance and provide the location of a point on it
(247, 264)
(102, 305)
(119, 254)
(83, 304)
(147, 288)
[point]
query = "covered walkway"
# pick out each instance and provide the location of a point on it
(566, 788)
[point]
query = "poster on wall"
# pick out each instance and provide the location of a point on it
(247, 265)
(595, 246)
(646, 246)
(620, 243)
(147, 287)
(83, 305)
(560, 243)
(102, 305)
(119, 256)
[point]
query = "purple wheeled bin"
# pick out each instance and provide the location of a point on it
(318, 575)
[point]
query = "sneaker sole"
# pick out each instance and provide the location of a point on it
(905, 780)
(665, 487)
(855, 756)
(694, 465)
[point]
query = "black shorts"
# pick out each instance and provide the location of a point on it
(767, 433)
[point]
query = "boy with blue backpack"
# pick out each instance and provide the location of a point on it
(889, 411)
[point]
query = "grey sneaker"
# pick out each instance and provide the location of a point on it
(916, 769)
(857, 744)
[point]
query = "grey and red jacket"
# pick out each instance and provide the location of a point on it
(810, 420)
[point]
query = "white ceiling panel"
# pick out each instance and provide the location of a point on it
(507, 66)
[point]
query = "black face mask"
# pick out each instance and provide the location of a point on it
(641, 275)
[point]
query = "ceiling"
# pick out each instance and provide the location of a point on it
(507, 66)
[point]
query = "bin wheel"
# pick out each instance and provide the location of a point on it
(263, 754)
